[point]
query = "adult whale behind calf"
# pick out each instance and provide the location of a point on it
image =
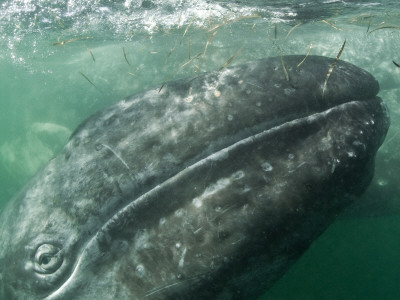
(209, 188)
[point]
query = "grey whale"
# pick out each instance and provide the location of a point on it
(209, 188)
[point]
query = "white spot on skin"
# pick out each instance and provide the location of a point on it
(162, 221)
(230, 117)
(174, 134)
(291, 156)
(351, 154)
(197, 202)
(217, 93)
(240, 81)
(140, 271)
(237, 175)
(188, 99)
(288, 91)
(266, 166)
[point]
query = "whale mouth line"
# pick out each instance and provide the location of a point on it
(91, 251)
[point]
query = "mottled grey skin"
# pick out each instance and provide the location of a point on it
(209, 189)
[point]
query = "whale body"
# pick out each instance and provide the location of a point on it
(208, 188)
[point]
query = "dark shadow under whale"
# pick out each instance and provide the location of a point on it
(209, 188)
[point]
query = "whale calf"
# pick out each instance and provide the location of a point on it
(208, 188)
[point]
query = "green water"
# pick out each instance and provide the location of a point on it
(49, 51)
(353, 259)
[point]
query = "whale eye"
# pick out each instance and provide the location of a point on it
(48, 259)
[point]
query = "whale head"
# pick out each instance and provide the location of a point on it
(208, 188)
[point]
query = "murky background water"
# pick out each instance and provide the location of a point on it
(60, 61)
